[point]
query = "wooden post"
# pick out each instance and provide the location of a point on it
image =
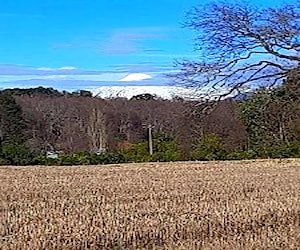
(150, 140)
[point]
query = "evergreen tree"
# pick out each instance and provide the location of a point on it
(11, 120)
(12, 148)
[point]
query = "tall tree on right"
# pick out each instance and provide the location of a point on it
(271, 117)
(240, 47)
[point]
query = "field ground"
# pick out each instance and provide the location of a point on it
(208, 205)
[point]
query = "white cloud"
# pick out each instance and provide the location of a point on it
(45, 69)
(131, 40)
(102, 77)
(53, 69)
(135, 77)
(68, 77)
(50, 77)
(67, 68)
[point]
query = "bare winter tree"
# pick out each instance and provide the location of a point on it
(240, 46)
(97, 130)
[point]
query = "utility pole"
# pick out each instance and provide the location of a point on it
(150, 140)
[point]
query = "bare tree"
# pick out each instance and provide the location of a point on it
(240, 46)
(223, 121)
(97, 130)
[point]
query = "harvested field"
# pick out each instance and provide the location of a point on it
(212, 205)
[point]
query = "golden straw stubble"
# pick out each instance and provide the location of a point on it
(187, 205)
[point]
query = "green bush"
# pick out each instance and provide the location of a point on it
(110, 158)
(241, 155)
(279, 151)
(3, 162)
(285, 151)
(46, 161)
(82, 158)
(165, 149)
(209, 147)
(69, 160)
(16, 154)
(137, 153)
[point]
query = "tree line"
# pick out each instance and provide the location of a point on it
(90, 130)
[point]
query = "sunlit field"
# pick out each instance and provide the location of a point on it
(209, 205)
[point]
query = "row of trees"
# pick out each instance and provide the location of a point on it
(263, 124)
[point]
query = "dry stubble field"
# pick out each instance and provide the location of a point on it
(213, 205)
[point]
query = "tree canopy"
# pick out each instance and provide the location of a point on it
(240, 47)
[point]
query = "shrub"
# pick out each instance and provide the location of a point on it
(69, 160)
(46, 161)
(209, 147)
(3, 162)
(285, 151)
(165, 149)
(16, 154)
(110, 158)
(241, 155)
(82, 158)
(137, 153)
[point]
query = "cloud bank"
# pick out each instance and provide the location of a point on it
(71, 78)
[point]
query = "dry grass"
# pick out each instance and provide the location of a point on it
(221, 205)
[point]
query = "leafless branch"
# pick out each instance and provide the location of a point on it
(240, 46)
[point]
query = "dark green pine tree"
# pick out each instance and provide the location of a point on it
(12, 125)
(11, 120)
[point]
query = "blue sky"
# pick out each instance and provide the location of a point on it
(83, 44)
